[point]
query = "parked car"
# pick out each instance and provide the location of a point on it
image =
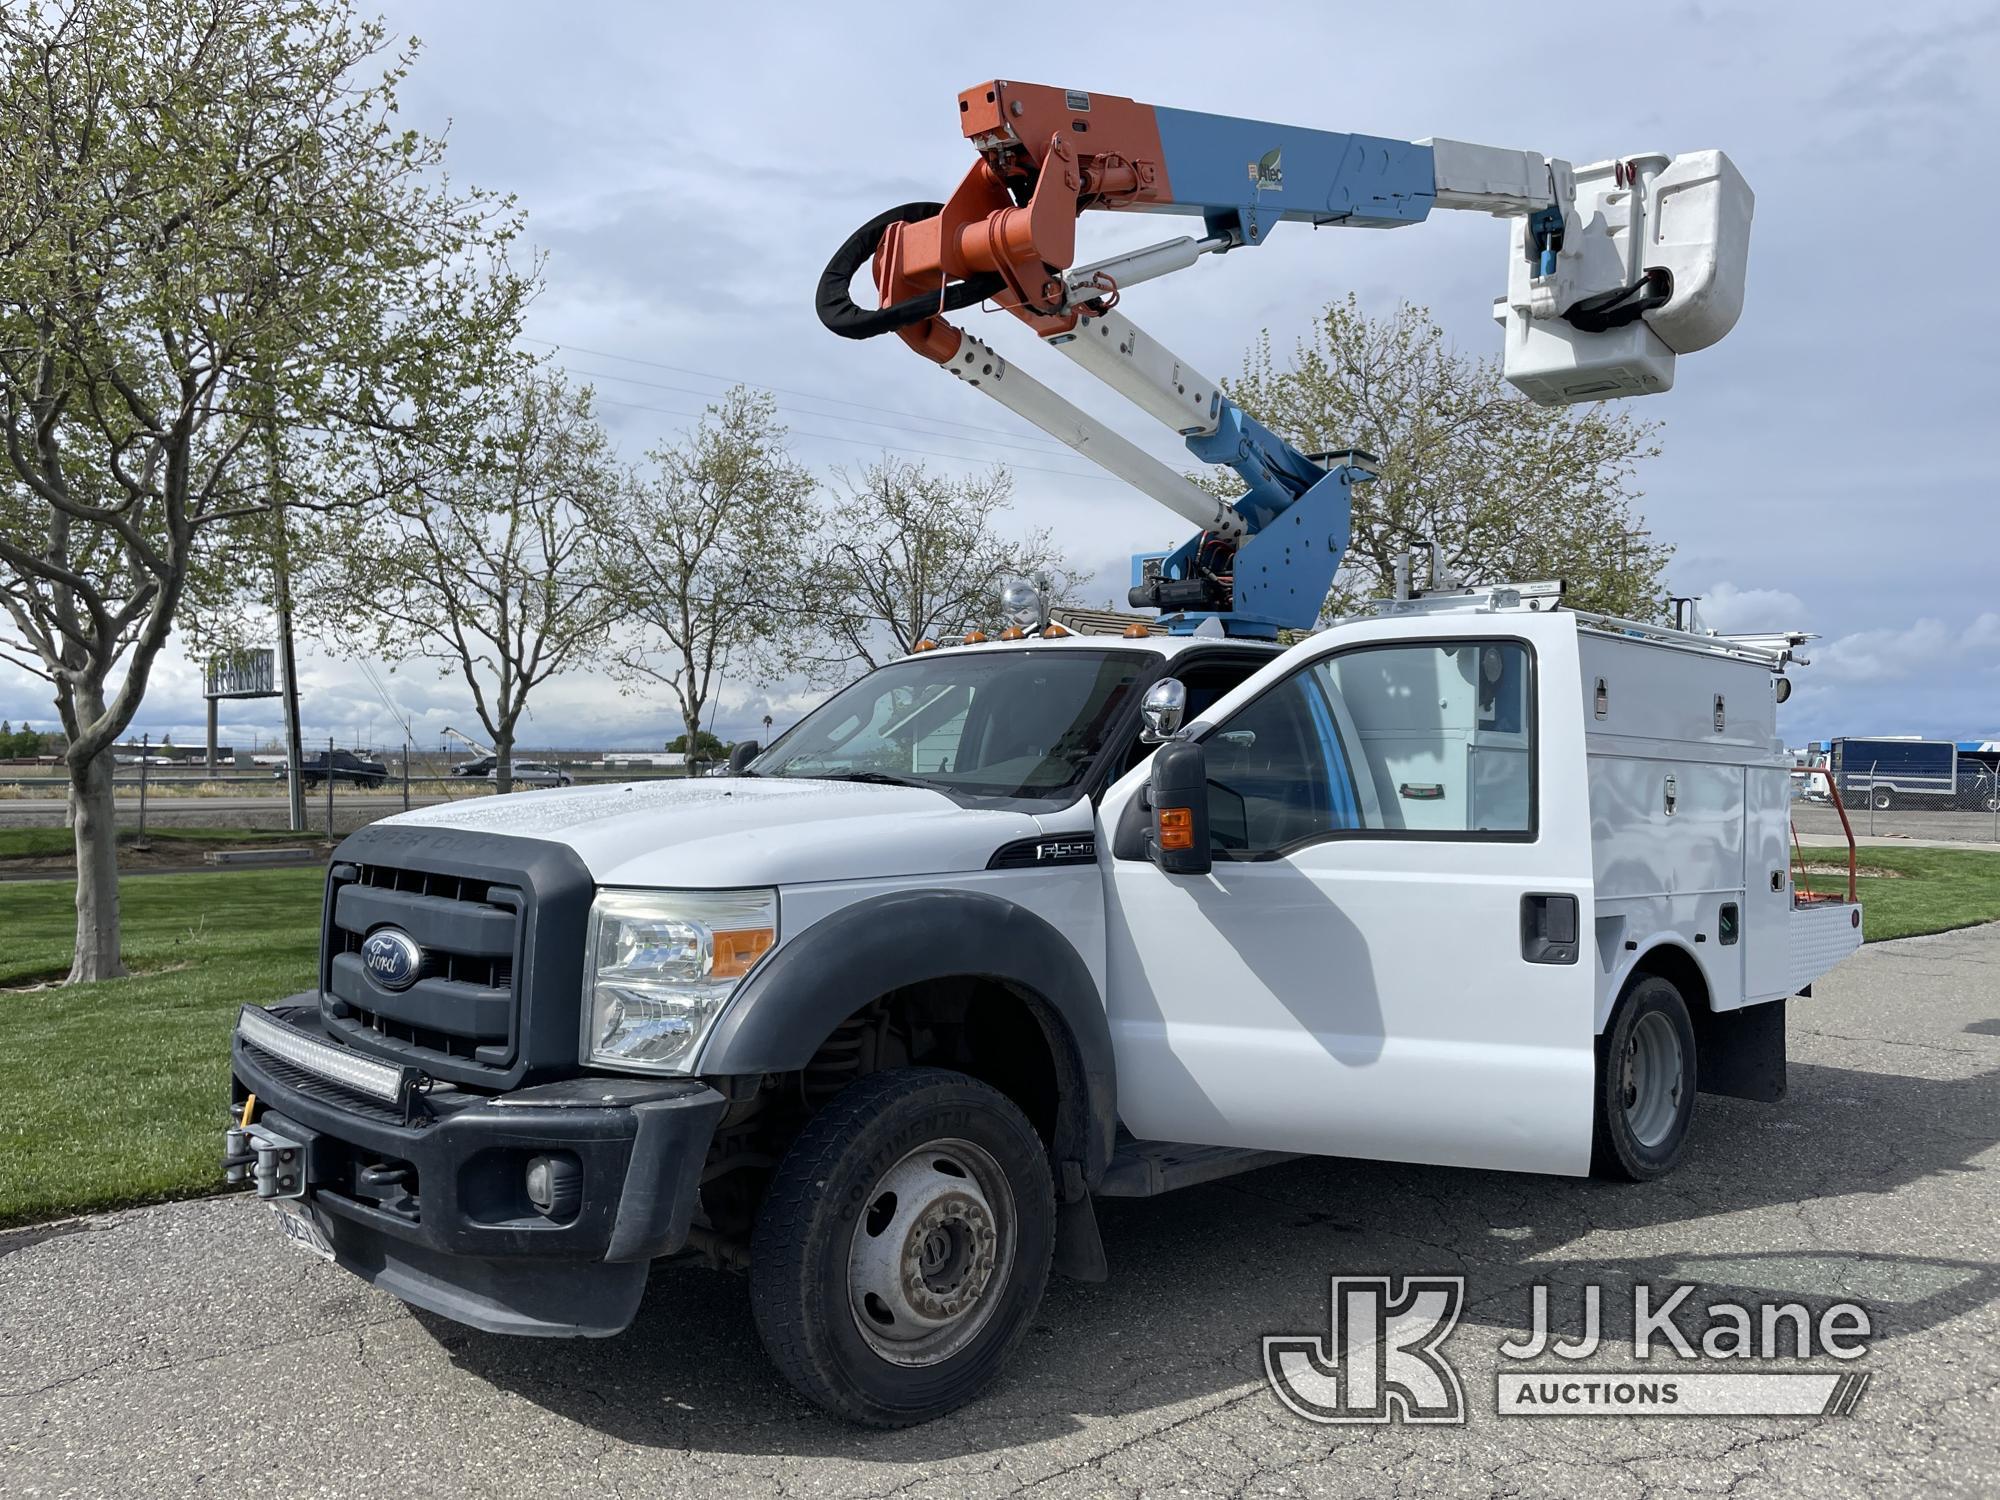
(480, 767)
(538, 773)
(347, 766)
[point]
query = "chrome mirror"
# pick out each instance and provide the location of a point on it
(1163, 708)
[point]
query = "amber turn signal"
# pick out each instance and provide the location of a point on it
(737, 950)
(1176, 828)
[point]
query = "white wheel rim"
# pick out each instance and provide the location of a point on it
(1652, 1080)
(932, 1252)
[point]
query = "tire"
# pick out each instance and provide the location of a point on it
(1883, 798)
(1645, 1084)
(903, 1171)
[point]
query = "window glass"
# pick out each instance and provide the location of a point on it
(1017, 723)
(1441, 734)
(1277, 772)
(1433, 739)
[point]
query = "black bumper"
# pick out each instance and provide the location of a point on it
(437, 1211)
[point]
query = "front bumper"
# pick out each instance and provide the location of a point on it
(436, 1210)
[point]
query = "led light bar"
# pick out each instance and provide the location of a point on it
(325, 1060)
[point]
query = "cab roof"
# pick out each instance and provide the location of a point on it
(1164, 646)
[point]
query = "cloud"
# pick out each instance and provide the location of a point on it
(1727, 608)
(1924, 648)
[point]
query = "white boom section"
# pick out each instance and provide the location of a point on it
(978, 365)
(1144, 371)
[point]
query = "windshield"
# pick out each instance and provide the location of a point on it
(1025, 723)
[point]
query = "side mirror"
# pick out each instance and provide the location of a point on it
(1178, 794)
(1163, 709)
(740, 756)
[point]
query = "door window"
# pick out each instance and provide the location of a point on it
(1430, 740)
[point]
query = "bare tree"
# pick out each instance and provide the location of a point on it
(1508, 489)
(909, 555)
(213, 247)
(699, 547)
(487, 571)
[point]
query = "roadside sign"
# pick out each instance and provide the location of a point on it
(242, 674)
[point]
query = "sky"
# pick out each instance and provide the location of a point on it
(688, 170)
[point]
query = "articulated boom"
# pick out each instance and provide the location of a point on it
(1615, 269)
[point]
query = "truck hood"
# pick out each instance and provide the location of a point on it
(744, 831)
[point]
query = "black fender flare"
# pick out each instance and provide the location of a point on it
(847, 960)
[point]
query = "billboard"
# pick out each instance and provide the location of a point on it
(242, 674)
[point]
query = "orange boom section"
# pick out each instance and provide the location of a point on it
(1045, 155)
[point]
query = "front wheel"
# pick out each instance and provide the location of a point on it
(1645, 1084)
(1882, 798)
(903, 1247)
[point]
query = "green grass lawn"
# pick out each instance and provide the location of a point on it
(43, 843)
(115, 1093)
(1939, 889)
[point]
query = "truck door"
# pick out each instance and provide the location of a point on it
(1392, 956)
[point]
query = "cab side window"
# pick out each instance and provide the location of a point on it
(1429, 740)
(1278, 774)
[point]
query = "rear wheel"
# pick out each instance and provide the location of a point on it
(903, 1246)
(1645, 1084)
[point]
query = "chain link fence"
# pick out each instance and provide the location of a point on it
(1881, 804)
(364, 786)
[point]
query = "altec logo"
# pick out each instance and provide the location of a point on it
(1379, 1360)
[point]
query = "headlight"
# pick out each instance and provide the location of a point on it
(661, 966)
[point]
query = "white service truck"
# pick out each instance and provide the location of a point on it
(1473, 880)
(1010, 925)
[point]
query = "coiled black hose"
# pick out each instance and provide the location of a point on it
(838, 310)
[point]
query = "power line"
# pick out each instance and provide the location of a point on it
(863, 421)
(886, 447)
(655, 364)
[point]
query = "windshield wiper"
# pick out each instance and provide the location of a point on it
(872, 778)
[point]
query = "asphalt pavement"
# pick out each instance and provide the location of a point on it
(186, 1350)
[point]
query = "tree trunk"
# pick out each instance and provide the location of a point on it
(94, 814)
(503, 763)
(691, 720)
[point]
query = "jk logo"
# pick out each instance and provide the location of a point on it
(1379, 1361)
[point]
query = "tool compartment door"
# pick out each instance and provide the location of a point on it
(1391, 957)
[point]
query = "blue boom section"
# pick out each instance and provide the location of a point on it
(1297, 514)
(1247, 175)
(1243, 177)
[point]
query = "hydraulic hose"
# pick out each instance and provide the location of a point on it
(837, 308)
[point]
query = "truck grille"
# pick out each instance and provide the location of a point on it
(459, 1018)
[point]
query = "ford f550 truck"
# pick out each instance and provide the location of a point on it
(1475, 880)
(1007, 926)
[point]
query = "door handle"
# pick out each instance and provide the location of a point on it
(1548, 928)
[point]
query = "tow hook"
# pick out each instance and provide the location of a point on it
(272, 1163)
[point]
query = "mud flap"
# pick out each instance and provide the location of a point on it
(1079, 1247)
(1741, 1053)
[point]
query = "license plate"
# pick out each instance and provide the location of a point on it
(297, 1224)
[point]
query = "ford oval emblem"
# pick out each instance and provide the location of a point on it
(392, 958)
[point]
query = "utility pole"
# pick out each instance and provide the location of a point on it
(281, 588)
